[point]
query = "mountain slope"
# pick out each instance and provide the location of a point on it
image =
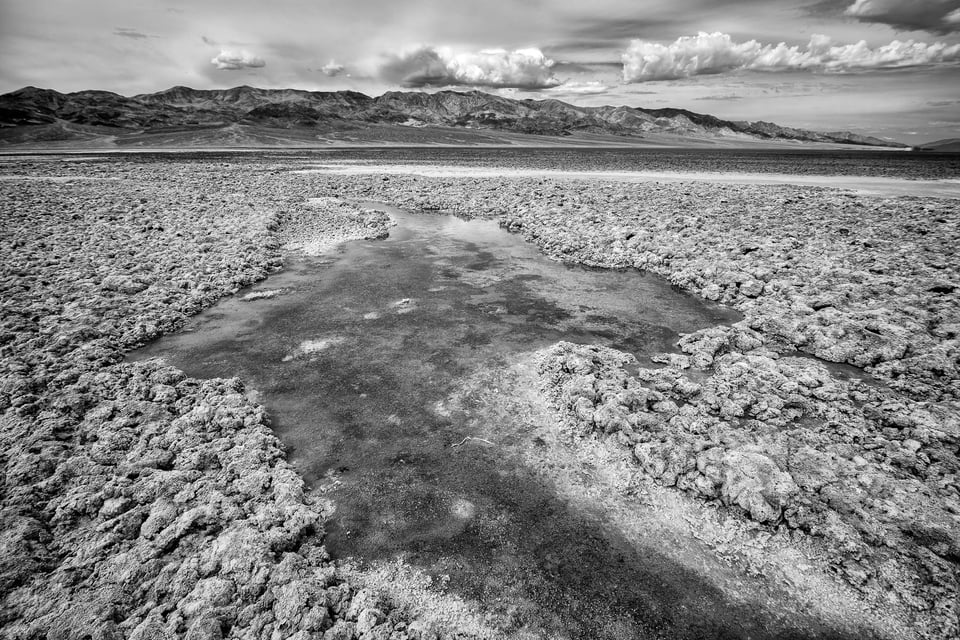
(182, 107)
(948, 145)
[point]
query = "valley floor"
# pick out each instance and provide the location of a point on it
(801, 463)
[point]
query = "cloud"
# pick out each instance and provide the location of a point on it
(573, 67)
(332, 69)
(126, 32)
(687, 56)
(938, 16)
(440, 66)
(711, 53)
(721, 96)
(232, 61)
(588, 88)
(827, 8)
(570, 66)
(594, 31)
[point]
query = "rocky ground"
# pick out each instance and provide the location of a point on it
(869, 467)
(139, 503)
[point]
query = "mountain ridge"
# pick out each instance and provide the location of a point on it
(946, 145)
(184, 107)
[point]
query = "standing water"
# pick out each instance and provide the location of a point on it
(356, 360)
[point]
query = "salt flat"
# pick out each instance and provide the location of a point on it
(868, 185)
(802, 459)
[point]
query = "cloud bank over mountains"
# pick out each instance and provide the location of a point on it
(440, 66)
(713, 53)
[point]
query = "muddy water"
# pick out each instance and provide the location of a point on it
(357, 358)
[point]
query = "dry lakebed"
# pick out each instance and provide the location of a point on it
(277, 396)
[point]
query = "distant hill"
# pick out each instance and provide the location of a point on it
(947, 145)
(247, 116)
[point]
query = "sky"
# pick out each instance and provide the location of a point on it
(889, 68)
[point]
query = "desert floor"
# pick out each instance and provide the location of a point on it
(791, 471)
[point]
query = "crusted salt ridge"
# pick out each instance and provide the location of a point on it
(306, 232)
(786, 444)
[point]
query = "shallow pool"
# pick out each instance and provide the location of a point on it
(357, 358)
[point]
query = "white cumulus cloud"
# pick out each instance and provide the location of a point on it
(889, 56)
(332, 69)
(687, 56)
(441, 66)
(708, 53)
(590, 87)
(232, 61)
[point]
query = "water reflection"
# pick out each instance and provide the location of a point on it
(356, 360)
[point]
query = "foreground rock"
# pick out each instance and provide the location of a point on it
(171, 512)
(786, 444)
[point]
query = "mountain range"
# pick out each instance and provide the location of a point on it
(247, 116)
(948, 145)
